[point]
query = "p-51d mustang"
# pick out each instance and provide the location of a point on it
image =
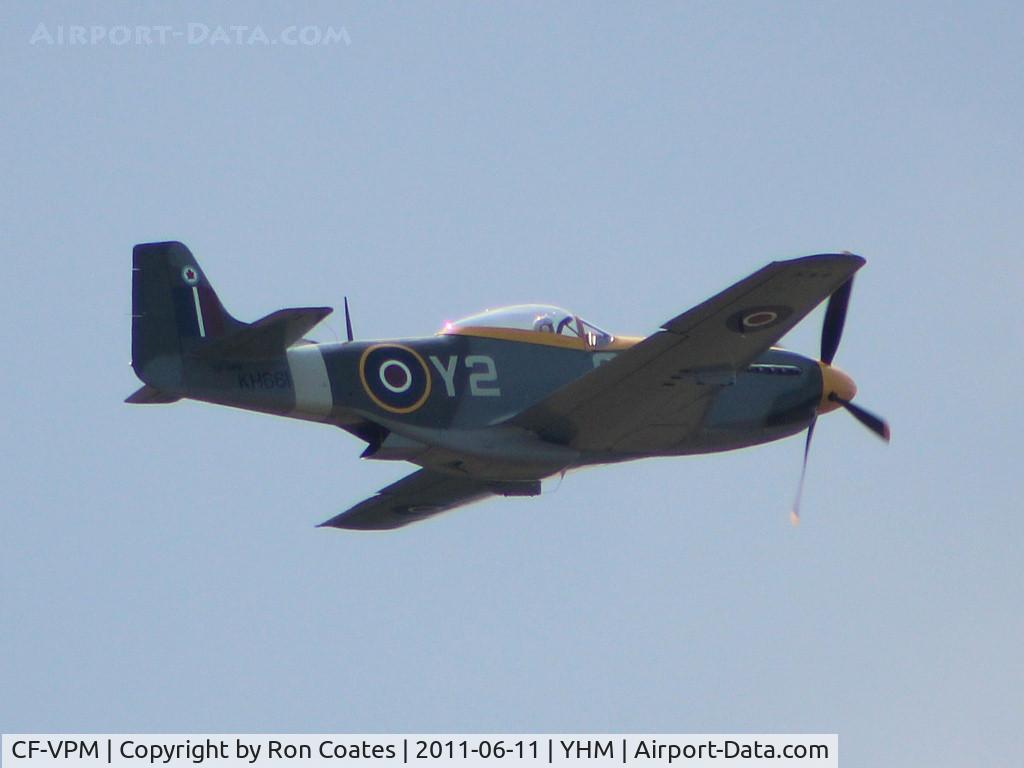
(494, 403)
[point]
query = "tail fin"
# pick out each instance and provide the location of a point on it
(174, 311)
(179, 324)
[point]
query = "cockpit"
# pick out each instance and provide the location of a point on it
(533, 318)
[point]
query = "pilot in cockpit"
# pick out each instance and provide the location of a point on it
(544, 323)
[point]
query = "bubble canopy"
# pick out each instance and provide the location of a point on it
(533, 318)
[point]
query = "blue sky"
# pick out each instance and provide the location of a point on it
(160, 568)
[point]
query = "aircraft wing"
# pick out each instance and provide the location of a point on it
(660, 388)
(421, 495)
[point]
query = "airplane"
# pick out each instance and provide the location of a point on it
(494, 403)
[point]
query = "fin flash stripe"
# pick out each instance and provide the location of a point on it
(199, 312)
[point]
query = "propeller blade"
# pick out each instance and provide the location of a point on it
(835, 318)
(348, 321)
(794, 514)
(876, 424)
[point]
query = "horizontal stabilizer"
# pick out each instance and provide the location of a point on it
(148, 395)
(267, 337)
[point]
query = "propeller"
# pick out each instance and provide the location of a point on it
(833, 380)
(348, 321)
(875, 423)
(794, 513)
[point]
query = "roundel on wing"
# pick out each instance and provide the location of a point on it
(395, 377)
(750, 319)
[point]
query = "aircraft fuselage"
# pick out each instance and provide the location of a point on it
(439, 396)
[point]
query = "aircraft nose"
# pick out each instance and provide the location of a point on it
(834, 381)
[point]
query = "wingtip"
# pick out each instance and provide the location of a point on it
(340, 523)
(838, 257)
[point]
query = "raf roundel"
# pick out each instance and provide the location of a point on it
(190, 275)
(753, 319)
(395, 377)
(758, 319)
